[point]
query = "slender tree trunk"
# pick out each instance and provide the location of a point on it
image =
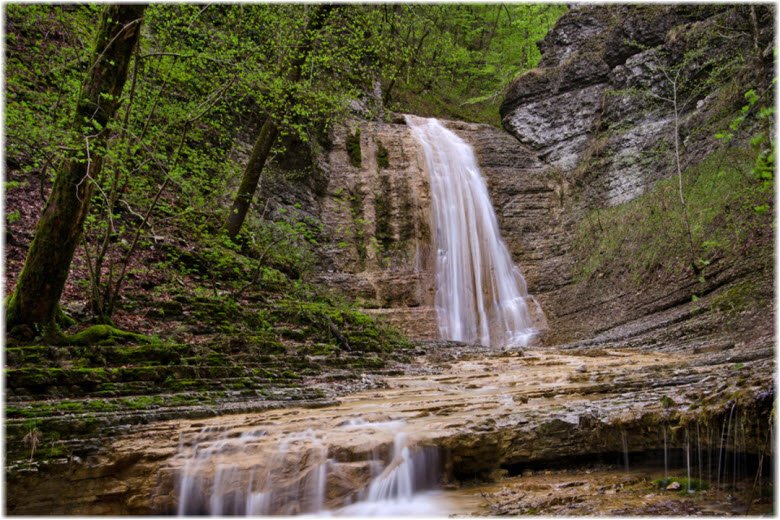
(678, 164)
(34, 302)
(269, 131)
(249, 182)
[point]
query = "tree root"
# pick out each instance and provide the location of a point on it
(105, 335)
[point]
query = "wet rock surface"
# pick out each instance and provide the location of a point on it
(489, 413)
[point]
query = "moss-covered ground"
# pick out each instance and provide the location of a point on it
(236, 358)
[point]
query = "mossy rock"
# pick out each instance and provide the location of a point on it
(382, 156)
(353, 148)
(155, 353)
(105, 335)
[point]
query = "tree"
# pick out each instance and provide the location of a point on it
(34, 303)
(461, 57)
(270, 131)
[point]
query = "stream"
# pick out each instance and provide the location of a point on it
(487, 435)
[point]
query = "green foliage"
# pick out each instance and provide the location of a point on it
(46, 52)
(198, 71)
(686, 484)
(455, 60)
(353, 148)
(647, 236)
(382, 157)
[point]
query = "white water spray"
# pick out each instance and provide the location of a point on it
(481, 297)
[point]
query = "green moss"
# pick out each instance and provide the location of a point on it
(382, 156)
(141, 403)
(353, 148)
(151, 354)
(383, 230)
(216, 359)
(70, 406)
(736, 298)
(693, 484)
(105, 335)
(262, 372)
(368, 362)
(181, 384)
(98, 405)
(320, 349)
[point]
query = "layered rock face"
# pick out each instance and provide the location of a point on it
(602, 96)
(377, 245)
(487, 413)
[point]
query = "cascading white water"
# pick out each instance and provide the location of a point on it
(253, 474)
(481, 297)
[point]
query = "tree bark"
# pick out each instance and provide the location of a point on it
(249, 182)
(35, 300)
(270, 131)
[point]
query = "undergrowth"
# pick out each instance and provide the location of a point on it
(730, 212)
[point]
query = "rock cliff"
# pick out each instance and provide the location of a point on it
(596, 112)
(376, 218)
(595, 100)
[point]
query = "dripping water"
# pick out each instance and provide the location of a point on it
(666, 455)
(688, 458)
(481, 297)
(698, 451)
(625, 448)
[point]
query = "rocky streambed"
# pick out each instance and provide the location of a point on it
(468, 417)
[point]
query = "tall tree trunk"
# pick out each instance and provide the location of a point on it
(58, 232)
(269, 131)
(254, 169)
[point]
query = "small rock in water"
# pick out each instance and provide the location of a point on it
(674, 486)
(582, 368)
(520, 398)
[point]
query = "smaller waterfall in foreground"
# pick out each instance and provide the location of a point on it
(257, 474)
(481, 297)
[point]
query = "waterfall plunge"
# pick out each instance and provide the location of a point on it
(481, 297)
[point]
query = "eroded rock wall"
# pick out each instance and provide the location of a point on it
(593, 113)
(601, 98)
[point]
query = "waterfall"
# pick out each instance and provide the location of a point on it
(481, 297)
(258, 473)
